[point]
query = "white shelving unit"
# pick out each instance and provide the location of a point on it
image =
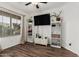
(56, 33)
(29, 31)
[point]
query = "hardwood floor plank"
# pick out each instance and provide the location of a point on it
(31, 50)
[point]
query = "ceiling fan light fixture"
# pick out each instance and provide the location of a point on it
(35, 3)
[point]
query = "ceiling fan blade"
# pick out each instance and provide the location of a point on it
(44, 2)
(28, 3)
(37, 6)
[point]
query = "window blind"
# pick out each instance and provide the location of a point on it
(9, 15)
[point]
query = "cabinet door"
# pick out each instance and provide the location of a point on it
(44, 41)
(37, 40)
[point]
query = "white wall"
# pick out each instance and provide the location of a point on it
(10, 41)
(71, 26)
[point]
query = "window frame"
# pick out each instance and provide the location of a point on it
(10, 26)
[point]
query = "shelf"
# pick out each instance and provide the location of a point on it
(29, 23)
(56, 27)
(56, 22)
(56, 38)
(56, 41)
(56, 46)
(29, 34)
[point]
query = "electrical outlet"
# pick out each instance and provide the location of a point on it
(70, 44)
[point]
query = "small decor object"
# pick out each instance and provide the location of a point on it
(57, 15)
(30, 20)
(53, 25)
(36, 35)
(57, 19)
(39, 36)
(45, 37)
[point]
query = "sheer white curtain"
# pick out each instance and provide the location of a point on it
(23, 40)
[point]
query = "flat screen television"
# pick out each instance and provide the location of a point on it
(42, 20)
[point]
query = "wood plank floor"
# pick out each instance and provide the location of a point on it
(31, 50)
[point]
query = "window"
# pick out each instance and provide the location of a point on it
(6, 26)
(16, 26)
(9, 25)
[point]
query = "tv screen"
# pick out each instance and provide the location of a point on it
(42, 20)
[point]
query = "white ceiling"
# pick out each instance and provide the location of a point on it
(32, 8)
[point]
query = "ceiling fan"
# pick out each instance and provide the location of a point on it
(36, 3)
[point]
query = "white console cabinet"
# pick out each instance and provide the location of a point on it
(41, 41)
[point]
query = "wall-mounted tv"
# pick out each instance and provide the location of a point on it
(42, 20)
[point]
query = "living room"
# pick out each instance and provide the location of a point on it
(29, 28)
